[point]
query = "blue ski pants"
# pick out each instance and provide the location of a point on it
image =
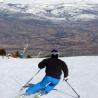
(47, 84)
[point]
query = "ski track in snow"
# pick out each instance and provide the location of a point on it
(83, 72)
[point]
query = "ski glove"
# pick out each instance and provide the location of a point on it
(65, 79)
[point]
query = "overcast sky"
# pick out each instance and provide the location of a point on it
(47, 1)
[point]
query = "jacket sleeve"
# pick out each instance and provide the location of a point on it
(65, 69)
(42, 64)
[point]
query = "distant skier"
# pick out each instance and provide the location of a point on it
(54, 68)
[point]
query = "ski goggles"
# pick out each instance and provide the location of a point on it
(55, 53)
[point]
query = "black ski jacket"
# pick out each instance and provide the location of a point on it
(54, 67)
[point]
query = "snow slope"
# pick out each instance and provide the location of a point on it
(83, 77)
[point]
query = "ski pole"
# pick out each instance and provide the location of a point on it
(73, 89)
(25, 48)
(30, 79)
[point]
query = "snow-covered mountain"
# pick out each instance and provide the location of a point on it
(71, 25)
(49, 1)
(55, 11)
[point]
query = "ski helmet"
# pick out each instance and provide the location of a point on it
(54, 52)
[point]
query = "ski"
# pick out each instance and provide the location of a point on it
(22, 95)
(19, 96)
(36, 95)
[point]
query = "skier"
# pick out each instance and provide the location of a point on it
(54, 68)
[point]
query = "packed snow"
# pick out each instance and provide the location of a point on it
(83, 71)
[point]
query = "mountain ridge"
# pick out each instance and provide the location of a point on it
(72, 31)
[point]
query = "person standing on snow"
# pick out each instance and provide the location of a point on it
(54, 68)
